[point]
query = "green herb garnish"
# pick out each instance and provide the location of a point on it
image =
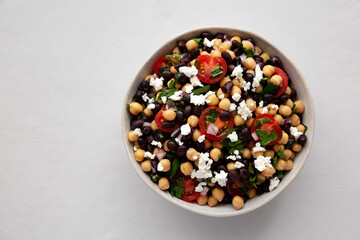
(269, 62)
(261, 121)
(201, 90)
(128, 107)
(265, 137)
(216, 72)
(213, 113)
(176, 188)
(198, 40)
(265, 79)
(249, 53)
(168, 57)
(275, 161)
(175, 164)
(280, 174)
(250, 169)
(196, 63)
(166, 93)
(281, 154)
(154, 177)
(269, 89)
(162, 69)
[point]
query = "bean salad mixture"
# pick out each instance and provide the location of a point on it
(217, 121)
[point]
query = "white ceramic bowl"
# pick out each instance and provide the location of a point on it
(303, 93)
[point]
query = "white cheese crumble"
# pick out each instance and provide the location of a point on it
(236, 152)
(261, 103)
(246, 86)
(151, 106)
(261, 162)
(176, 96)
(157, 83)
(137, 131)
(243, 110)
(264, 110)
(233, 136)
(258, 148)
(189, 71)
(163, 99)
(156, 143)
(232, 107)
(185, 129)
(200, 99)
(209, 43)
(220, 178)
(201, 138)
(195, 81)
(189, 88)
(274, 182)
(236, 97)
(276, 107)
(232, 157)
(204, 167)
(221, 96)
(200, 187)
(237, 72)
(257, 78)
(294, 131)
(238, 165)
(135, 149)
(179, 142)
(160, 167)
(149, 155)
(145, 97)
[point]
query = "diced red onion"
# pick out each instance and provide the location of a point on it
(255, 136)
(226, 37)
(160, 155)
(215, 47)
(243, 57)
(212, 129)
(204, 192)
(173, 134)
(228, 42)
(179, 137)
(286, 121)
(182, 95)
(146, 124)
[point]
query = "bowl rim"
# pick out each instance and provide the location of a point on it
(189, 206)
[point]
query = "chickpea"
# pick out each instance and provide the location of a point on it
(249, 63)
(163, 183)
(278, 118)
(224, 80)
(196, 162)
(278, 147)
(192, 154)
(210, 184)
(268, 171)
(273, 110)
(191, 44)
(289, 165)
(184, 87)
(136, 144)
(285, 110)
(292, 156)
(193, 121)
(215, 154)
(132, 137)
(148, 77)
(154, 126)
(251, 144)
(251, 104)
(215, 53)
(169, 115)
(252, 193)
(213, 100)
(218, 194)
(139, 155)
(238, 120)
(220, 92)
(232, 54)
(288, 153)
(299, 106)
(173, 70)
(269, 153)
(165, 146)
(237, 82)
(300, 128)
(265, 56)
(135, 108)
(276, 80)
(256, 154)
(249, 122)
(288, 90)
(289, 103)
(224, 104)
(284, 138)
(217, 144)
(166, 164)
(258, 50)
(186, 168)
(231, 166)
(224, 46)
(202, 200)
(259, 89)
(246, 153)
(146, 166)
(247, 45)
(258, 111)
(295, 120)
(196, 135)
(217, 42)
(261, 177)
(237, 38)
(148, 112)
(234, 90)
(176, 50)
(281, 165)
(212, 201)
(208, 143)
(238, 202)
(268, 70)
(202, 53)
(296, 147)
(156, 150)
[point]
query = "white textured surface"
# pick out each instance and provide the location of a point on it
(64, 66)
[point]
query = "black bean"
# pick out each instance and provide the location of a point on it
(220, 36)
(268, 97)
(186, 137)
(261, 65)
(230, 68)
(199, 146)
(227, 87)
(284, 97)
(179, 116)
(225, 115)
(249, 77)
(302, 139)
(276, 101)
(237, 52)
(234, 175)
(221, 168)
(181, 44)
(256, 98)
(150, 148)
(145, 130)
(142, 142)
(168, 124)
(286, 128)
(186, 97)
(137, 123)
(277, 62)
(246, 163)
(289, 144)
(146, 119)
(207, 35)
(179, 65)
(258, 59)
(187, 111)
(157, 137)
(138, 96)
(167, 75)
(227, 198)
(235, 44)
(182, 78)
(244, 133)
(244, 173)
(181, 103)
(194, 53)
(226, 56)
(251, 40)
(293, 94)
(237, 61)
(145, 85)
(154, 162)
(157, 108)
(172, 146)
(149, 139)
(245, 95)
(181, 151)
(198, 110)
(207, 49)
(186, 60)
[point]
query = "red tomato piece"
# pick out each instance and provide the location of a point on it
(204, 124)
(280, 91)
(189, 184)
(206, 65)
(159, 119)
(161, 62)
(268, 127)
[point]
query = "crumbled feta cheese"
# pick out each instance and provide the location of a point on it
(276, 107)
(145, 97)
(221, 96)
(221, 178)
(157, 83)
(163, 99)
(294, 131)
(274, 182)
(176, 96)
(151, 106)
(261, 103)
(189, 71)
(236, 152)
(204, 167)
(208, 43)
(236, 97)
(264, 110)
(156, 143)
(189, 88)
(238, 165)
(232, 107)
(194, 80)
(135, 149)
(160, 167)
(201, 138)
(243, 110)
(261, 162)
(179, 142)
(199, 99)
(149, 155)
(185, 129)
(237, 72)
(257, 78)
(246, 86)
(258, 148)
(233, 136)
(232, 157)
(200, 187)
(137, 131)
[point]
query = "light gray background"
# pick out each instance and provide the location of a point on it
(64, 68)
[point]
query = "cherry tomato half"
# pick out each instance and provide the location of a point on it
(280, 91)
(234, 188)
(189, 184)
(206, 65)
(222, 126)
(161, 62)
(268, 127)
(159, 119)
